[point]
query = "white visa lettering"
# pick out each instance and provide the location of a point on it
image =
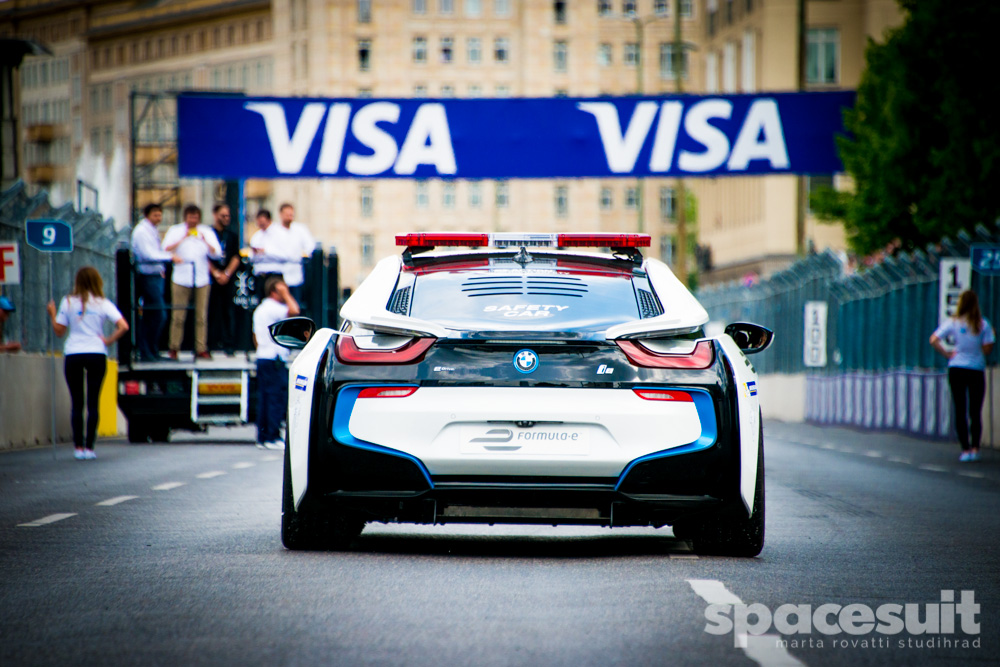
(427, 142)
(760, 137)
(289, 151)
(762, 119)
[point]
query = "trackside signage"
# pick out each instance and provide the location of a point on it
(257, 137)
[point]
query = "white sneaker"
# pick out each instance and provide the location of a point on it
(966, 457)
(89, 454)
(261, 445)
(79, 454)
(275, 444)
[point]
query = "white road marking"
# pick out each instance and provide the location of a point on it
(762, 649)
(827, 445)
(874, 454)
(271, 457)
(52, 518)
(932, 468)
(899, 459)
(210, 475)
(115, 501)
(167, 486)
(968, 473)
(243, 465)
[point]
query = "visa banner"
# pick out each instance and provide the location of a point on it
(686, 135)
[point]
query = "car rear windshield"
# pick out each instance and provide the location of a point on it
(528, 299)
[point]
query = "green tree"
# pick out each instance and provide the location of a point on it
(925, 146)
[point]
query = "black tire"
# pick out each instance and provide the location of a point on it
(306, 531)
(137, 432)
(735, 534)
(159, 433)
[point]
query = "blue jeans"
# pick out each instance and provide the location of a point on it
(272, 398)
(150, 289)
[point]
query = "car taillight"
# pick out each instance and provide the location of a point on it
(132, 388)
(386, 392)
(349, 353)
(664, 395)
(640, 355)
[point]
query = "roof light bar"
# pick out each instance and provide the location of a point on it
(522, 240)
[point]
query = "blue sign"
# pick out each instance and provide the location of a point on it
(684, 135)
(49, 235)
(986, 259)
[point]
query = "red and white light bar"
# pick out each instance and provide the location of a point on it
(522, 240)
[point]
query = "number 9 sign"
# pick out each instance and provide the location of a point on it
(49, 235)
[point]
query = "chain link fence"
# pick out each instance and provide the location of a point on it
(880, 371)
(94, 244)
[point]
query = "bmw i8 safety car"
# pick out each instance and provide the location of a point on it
(524, 378)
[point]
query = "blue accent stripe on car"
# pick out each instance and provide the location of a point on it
(342, 427)
(705, 407)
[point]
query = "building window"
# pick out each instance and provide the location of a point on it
(671, 62)
(367, 249)
(748, 6)
(364, 93)
(661, 7)
(501, 8)
(729, 67)
(560, 56)
(559, 9)
(710, 21)
(473, 8)
(603, 7)
(447, 91)
(561, 92)
(814, 183)
(729, 12)
(604, 54)
(501, 50)
(502, 91)
(95, 141)
(631, 54)
(446, 6)
(562, 201)
(423, 198)
(364, 11)
(364, 55)
(502, 194)
(419, 7)
(748, 63)
(447, 49)
(822, 55)
(668, 203)
(475, 90)
(711, 72)
(607, 200)
(475, 194)
(367, 201)
(628, 7)
(419, 49)
(687, 9)
(448, 195)
(474, 50)
(420, 90)
(632, 198)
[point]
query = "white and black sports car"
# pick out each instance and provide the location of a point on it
(514, 378)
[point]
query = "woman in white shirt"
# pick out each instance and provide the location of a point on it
(972, 337)
(82, 314)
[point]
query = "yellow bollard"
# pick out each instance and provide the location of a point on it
(107, 421)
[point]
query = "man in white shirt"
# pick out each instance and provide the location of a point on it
(272, 374)
(149, 278)
(302, 243)
(193, 243)
(272, 250)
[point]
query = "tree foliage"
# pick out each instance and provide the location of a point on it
(924, 149)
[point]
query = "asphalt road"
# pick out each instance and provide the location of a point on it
(170, 555)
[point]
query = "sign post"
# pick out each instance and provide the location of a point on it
(49, 236)
(815, 334)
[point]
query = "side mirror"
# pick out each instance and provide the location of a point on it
(292, 333)
(750, 338)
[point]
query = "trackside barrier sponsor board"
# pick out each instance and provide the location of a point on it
(687, 135)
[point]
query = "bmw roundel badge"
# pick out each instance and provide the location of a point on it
(525, 361)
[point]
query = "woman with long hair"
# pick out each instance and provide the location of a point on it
(971, 338)
(83, 313)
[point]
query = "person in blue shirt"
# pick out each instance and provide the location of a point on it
(971, 338)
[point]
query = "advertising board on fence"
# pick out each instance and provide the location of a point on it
(685, 135)
(10, 263)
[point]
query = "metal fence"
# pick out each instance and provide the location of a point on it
(94, 243)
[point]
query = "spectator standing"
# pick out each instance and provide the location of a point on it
(193, 243)
(302, 243)
(973, 339)
(221, 310)
(272, 250)
(6, 308)
(83, 314)
(272, 374)
(149, 281)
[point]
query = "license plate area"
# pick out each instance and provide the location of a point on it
(538, 440)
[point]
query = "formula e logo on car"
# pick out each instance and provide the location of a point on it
(495, 435)
(525, 310)
(525, 361)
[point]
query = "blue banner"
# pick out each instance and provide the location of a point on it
(685, 135)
